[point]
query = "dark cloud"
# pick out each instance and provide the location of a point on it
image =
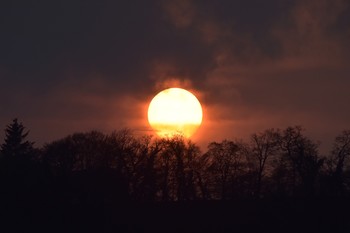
(68, 66)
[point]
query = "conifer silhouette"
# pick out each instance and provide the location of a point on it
(15, 140)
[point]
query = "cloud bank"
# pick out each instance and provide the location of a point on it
(69, 66)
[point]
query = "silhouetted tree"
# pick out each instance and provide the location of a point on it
(192, 171)
(79, 151)
(177, 166)
(23, 180)
(176, 149)
(84, 166)
(128, 156)
(274, 162)
(146, 187)
(264, 145)
(203, 177)
(227, 164)
(338, 163)
(15, 141)
(300, 162)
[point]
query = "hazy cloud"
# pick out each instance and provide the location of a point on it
(68, 66)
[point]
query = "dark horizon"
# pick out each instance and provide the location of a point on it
(262, 157)
(323, 151)
(95, 182)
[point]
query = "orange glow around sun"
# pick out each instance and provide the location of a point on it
(175, 111)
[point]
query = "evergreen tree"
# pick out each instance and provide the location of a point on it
(15, 141)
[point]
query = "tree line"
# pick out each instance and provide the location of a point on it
(98, 167)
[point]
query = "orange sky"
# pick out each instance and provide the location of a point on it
(77, 65)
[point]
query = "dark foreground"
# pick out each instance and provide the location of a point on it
(283, 215)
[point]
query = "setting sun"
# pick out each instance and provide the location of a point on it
(175, 111)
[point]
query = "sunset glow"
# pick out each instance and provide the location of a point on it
(175, 111)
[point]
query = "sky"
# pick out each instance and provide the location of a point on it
(74, 66)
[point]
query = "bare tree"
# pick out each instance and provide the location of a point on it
(300, 159)
(77, 152)
(264, 145)
(339, 159)
(226, 165)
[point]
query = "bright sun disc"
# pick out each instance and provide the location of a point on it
(175, 111)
